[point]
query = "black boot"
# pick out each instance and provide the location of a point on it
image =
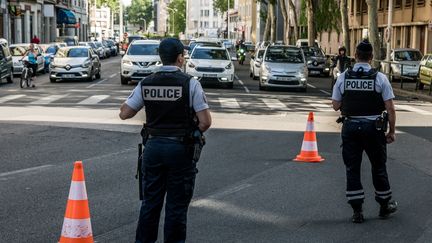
(387, 208)
(358, 213)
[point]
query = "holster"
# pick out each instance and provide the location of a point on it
(198, 143)
(381, 123)
(139, 174)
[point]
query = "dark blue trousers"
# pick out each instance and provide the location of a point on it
(168, 171)
(358, 136)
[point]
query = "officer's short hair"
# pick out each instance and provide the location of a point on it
(364, 50)
(169, 49)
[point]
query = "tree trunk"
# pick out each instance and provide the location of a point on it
(266, 35)
(310, 21)
(345, 26)
(373, 28)
(273, 13)
(295, 22)
(285, 15)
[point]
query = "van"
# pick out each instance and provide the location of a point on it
(305, 42)
(6, 71)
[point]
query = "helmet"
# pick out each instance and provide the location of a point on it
(342, 48)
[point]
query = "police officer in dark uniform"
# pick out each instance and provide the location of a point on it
(362, 95)
(176, 108)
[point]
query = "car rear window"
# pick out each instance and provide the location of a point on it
(143, 49)
(18, 51)
(408, 56)
(51, 50)
(214, 54)
(73, 52)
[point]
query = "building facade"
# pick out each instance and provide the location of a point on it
(46, 19)
(203, 20)
(100, 22)
(161, 13)
(411, 28)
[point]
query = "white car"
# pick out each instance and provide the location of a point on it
(18, 51)
(283, 67)
(211, 65)
(140, 60)
(255, 63)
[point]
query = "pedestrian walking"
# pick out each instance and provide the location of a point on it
(35, 40)
(177, 114)
(362, 95)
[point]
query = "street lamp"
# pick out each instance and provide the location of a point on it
(173, 17)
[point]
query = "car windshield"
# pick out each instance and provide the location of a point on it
(18, 50)
(144, 49)
(312, 52)
(260, 53)
(408, 56)
(214, 54)
(284, 54)
(92, 44)
(73, 52)
(132, 38)
(51, 50)
(98, 44)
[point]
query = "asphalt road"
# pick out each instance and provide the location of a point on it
(248, 189)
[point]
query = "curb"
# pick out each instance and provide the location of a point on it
(412, 95)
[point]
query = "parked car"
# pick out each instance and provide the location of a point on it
(75, 63)
(283, 66)
(425, 73)
(255, 63)
(69, 40)
(205, 42)
(18, 51)
(406, 59)
(305, 42)
(101, 51)
(49, 51)
(90, 44)
(61, 44)
(107, 49)
(228, 44)
(317, 62)
(112, 47)
(130, 39)
(140, 60)
(211, 65)
(6, 63)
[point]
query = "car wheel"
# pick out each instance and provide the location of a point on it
(229, 85)
(251, 74)
(53, 80)
(123, 80)
(9, 79)
(90, 78)
(260, 86)
(43, 70)
(421, 86)
(303, 89)
(98, 75)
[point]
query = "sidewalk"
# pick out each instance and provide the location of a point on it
(407, 90)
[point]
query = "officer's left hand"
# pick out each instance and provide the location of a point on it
(390, 137)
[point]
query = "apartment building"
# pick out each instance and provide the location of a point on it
(203, 20)
(100, 22)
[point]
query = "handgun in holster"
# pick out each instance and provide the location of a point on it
(381, 123)
(139, 173)
(198, 143)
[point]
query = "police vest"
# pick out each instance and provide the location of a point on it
(360, 97)
(167, 106)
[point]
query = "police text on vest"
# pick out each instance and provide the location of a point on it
(162, 93)
(359, 84)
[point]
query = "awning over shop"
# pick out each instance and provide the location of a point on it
(65, 16)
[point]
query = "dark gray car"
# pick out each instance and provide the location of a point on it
(6, 71)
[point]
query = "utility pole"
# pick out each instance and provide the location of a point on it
(388, 35)
(228, 21)
(121, 21)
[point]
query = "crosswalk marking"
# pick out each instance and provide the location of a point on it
(93, 99)
(9, 98)
(230, 103)
(275, 104)
(47, 99)
(413, 109)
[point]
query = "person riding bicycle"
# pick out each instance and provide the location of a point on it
(341, 61)
(31, 54)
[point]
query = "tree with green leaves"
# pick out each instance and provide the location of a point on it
(177, 18)
(139, 11)
(222, 6)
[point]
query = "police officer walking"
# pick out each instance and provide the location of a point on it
(362, 95)
(176, 108)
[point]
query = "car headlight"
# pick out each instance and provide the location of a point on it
(267, 68)
(229, 66)
(191, 65)
(158, 63)
(127, 63)
(86, 64)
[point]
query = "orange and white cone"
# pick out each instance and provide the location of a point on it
(309, 150)
(76, 225)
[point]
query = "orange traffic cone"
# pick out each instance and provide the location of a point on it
(76, 224)
(309, 150)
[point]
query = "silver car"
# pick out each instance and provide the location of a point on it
(406, 62)
(75, 63)
(283, 66)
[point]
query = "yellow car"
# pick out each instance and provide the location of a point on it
(425, 73)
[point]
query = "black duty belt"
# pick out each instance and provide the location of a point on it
(358, 120)
(180, 139)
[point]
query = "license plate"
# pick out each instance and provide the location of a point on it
(68, 76)
(144, 71)
(315, 72)
(209, 75)
(283, 78)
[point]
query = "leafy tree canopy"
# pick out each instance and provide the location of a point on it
(327, 15)
(140, 10)
(178, 17)
(222, 5)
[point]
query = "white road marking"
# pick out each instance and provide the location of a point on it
(413, 109)
(24, 171)
(275, 104)
(90, 86)
(93, 99)
(325, 92)
(310, 85)
(230, 103)
(242, 84)
(319, 105)
(113, 75)
(10, 97)
(48, 99)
